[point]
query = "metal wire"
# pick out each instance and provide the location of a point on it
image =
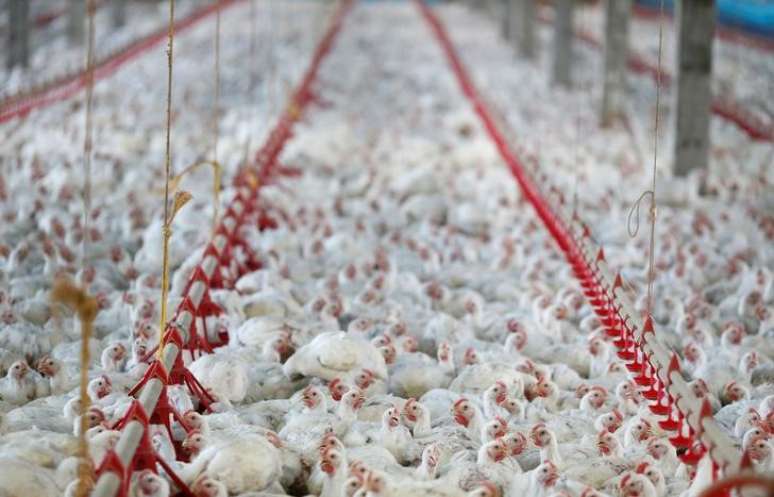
(634, 212)
(652, 250)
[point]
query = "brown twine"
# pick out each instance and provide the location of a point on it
(217, 174)
(252, 76)
(167, 165)
(216, 110)
(253, 45)
(64, 291)
(87, 140)
(216, 123)
(652, 192)
(576, 180)
(272, 79)
(180, 199)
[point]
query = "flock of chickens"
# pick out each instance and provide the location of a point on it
(412, 332)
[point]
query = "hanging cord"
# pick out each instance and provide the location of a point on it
(252, 76)
(652, 192)
(166, 233)
(579, 110)
(253, 46)
(576, 179)
(217, 173)
(85, 306)
(88, 146)
(180, 199)
(271, 81)
(216, 120)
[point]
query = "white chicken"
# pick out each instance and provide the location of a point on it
(18, 386)
(332, 354)
(225, 375)
(539, 482)
(242, 460)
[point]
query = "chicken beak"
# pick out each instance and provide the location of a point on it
(327, 467)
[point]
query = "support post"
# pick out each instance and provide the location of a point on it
(696, 24)
(505, 21)
(525, 27)
(76, 15)
(563, 35)
(617, 13)
(18, 33)
(493, 8)
(118, 12)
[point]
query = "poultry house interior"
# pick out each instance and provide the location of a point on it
(387, 248)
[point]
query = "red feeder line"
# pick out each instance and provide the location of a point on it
(134, 451)
(635, 341)
(688, 416)
(65, 87)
